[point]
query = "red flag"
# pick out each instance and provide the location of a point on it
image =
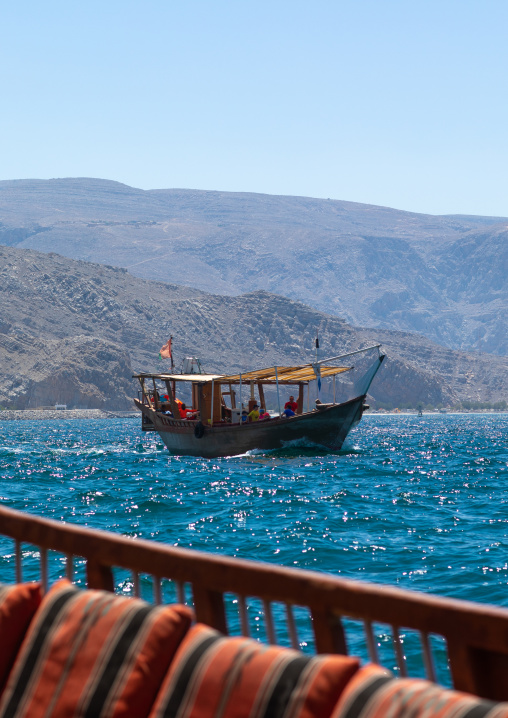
(166, 350)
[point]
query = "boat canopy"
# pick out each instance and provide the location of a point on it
(284, 374)
(196, 378)
(270, 375)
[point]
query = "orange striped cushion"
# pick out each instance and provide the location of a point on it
(17, 606)
(91, 653)
(212, 675)
(374, 693)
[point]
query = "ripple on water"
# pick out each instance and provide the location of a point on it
(415, 502)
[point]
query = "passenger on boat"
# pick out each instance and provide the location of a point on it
(291, 404)
(264, 415)
(288, 412)
(244, 415)
(254, 414)
(183, 410)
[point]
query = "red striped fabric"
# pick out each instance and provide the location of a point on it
(17, 606)
(374, 693)
(215, 676)
(92, 653)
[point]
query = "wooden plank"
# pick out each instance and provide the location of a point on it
(209, 608)
(261, 396)
(99, 576)
(144, 397)
(206, 402)
(479, 671)
(328, 632)
(270, 628)
(371, 642)
(293, 634)
(428, 658)
(299, 402)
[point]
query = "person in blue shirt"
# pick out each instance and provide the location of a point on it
(288, 412)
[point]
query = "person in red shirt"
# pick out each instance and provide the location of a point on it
(291, 404)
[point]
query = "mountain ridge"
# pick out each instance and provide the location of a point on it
(73, 332)
(440, 276)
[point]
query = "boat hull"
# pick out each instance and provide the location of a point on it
(327, 427)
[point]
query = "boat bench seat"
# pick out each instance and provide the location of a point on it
(74, 652)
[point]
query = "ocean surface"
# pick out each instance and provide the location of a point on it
(417, 502)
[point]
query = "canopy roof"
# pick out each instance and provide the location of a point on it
(199, 378)
(284, 374)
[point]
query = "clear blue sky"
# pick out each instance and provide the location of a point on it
(398, 103)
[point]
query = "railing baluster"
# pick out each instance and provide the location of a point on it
(397, 644)
(242, 607)
(270, 629)
(371, 641)
(209, 607)
(329, 634)
(292, 627)
(99, 576)
(428, 660)
(135, 581)
(69, 569)
(180, 592)
(157, 595)
(44, 569)
(19, 566)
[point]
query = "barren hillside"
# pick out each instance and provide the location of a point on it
(443, 277)
(73, 332)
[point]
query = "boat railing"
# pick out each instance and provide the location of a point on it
(309, 610)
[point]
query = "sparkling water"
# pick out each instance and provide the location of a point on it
(418, 502)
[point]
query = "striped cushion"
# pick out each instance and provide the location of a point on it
(217, 676)
(91, 653)
(374, 693)
(17, 606)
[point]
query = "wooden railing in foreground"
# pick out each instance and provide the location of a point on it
(476, 635)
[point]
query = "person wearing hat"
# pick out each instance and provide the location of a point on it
(254, 414)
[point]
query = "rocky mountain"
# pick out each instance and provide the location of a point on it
(73, 332)
(441, 276)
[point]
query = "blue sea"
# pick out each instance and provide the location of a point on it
(416, 502)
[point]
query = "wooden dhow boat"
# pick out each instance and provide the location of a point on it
(215, 426)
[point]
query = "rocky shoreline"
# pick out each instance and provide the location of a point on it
(46, 414)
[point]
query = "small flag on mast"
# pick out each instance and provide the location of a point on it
(165, 351)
